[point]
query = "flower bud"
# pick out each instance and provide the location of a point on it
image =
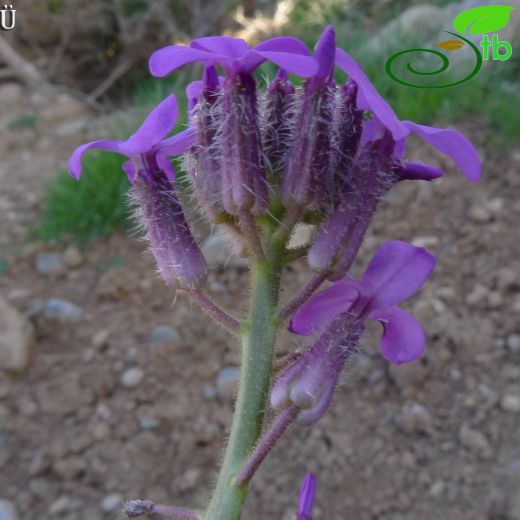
(309, 383)
(178, 256)
(244, 183)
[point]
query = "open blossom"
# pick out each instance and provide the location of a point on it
(396, 272)
(178, 257)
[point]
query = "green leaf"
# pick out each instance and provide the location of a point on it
(484, 19)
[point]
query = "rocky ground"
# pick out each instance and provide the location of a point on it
(112, 387)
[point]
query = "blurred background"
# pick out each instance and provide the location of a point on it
(111, 387)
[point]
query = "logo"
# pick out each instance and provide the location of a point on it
(479, 20)
(7, 18)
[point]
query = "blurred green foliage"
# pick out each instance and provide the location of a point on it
(84, 209)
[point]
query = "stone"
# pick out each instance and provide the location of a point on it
(117, 283)
(16, 338)
(72, 257)
(100, 339)
(60, 505)
(163, 334)
(7, 510)
(49, 263)
(111, 502)
(478, 296)
(513, 342)
(219, 252)
(62, 310)
(227, 381)
(510, 403)
(507, 278)
(480, 214)
(475, 440)
(415, 418)
(132, 377)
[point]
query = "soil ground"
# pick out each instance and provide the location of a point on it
(438, 439)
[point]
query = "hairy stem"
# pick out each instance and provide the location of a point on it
(266, 444)
(214, 311)
(258, 339)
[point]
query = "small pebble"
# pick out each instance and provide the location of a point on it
(7, 510)
(111, 502)
(163, 334)
(72, 257)
(480, 214)
(132, 377)
(513, 342)
(227, 381)
(62, 310)
(510, 403)
(48, 263)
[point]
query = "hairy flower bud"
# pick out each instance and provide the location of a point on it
(244, 183)
(178, 256)
(205, 162)
(309, 383)
(276, 120)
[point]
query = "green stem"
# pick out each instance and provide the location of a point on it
(258, 339)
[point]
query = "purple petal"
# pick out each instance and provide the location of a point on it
(108, 145)
(304, 66)
(396, 271)
(453, 144)
(368, 97)
(210, 81)
(419, 171)
(307, 495)
(165, 165)
(234, 48)
(283, 44)
(325, 52)
(178, 143)
(403, 337)
(155, 127)
(130, 170)
(324, 306)
(167, 59)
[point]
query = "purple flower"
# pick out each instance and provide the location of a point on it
(448, 141)
(147, 145)
(234, 55)
(307, 495)
(396, 272)
(178, 257)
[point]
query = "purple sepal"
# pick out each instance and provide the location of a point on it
(310, 381)
(307, 497)
(178, 256)
(244, 182)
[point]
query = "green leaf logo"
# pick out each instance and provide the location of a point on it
(484, 19)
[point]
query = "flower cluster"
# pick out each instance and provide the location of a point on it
(260, 160)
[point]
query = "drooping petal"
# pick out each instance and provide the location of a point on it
(235, 48)
(168, 59)
(419, 171)
(324, 306)
(368, 97)
(109, 145)
(452, 143)
(403, 338)
(178, 143)
(396, 272)
(155, 127)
